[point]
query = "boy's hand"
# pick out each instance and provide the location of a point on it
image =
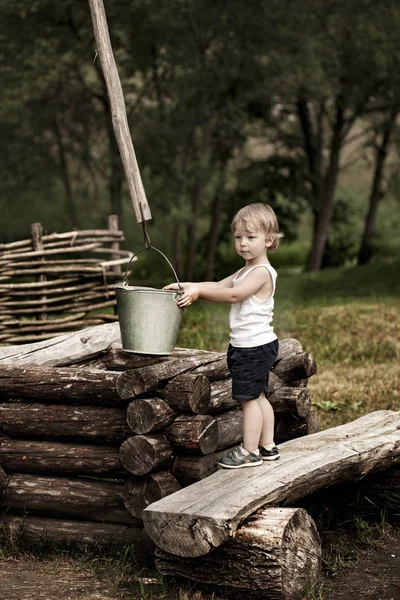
(171, 286)
(190, 295)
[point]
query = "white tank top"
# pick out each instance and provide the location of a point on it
(250, 321)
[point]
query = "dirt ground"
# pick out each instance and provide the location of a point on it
(375, 577)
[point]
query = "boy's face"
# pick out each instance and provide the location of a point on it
(250, 244)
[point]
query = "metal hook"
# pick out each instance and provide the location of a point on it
(147, 242)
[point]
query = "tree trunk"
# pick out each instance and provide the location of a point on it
(78, 498)
(204, 515)
(377, 192)
(275, 554)
(65, 176)
(23, 456)
(197, 433)
(63, 421)
(327, 196)
(149, 414)
(188, 393)
(215, 229)
(140, 492)
(141, 454)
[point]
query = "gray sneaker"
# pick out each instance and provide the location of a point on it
(272, 454)
(236, 459)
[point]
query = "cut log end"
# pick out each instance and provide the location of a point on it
(189, 537)
(276, 553)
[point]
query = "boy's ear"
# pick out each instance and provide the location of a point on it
(268, 241)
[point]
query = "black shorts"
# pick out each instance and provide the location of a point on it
(250, 369)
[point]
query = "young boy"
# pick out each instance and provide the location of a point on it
(253, 344)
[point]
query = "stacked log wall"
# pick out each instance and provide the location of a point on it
(99, 442)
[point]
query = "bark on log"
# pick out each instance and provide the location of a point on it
(23, 456)
(288, 347)
(67, 349)
(141, 454)
(145, 379)
(275, 554)
(3, 480)
(149, 414)
(36, 530)
(62, 421)
(230, 428)
(188, 393)
(214, 371)
(205, 514)
(140, 492)
(92, 386)
(116, 359)
(78, 498)
(295, 400)
(292, 427)
(189, 469)
(221, 396)
(198, 433)
(294, 367)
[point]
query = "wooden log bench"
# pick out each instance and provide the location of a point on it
(195, 520)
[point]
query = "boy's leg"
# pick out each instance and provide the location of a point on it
(252, 424)
(268, 420)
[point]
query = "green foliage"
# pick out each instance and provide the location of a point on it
(344, 234)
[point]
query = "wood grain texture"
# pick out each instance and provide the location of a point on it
(36, 530)
(77, 498)
(65, 349)
(68, 422)
(27, 456)
(206, 514)
(275, 554)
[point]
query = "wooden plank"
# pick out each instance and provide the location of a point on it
(64, 350)
(198, 518)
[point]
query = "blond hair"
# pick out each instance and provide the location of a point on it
(259, 218)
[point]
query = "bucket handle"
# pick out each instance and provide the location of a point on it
(125, 281)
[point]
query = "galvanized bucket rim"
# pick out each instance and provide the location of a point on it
(144, 290)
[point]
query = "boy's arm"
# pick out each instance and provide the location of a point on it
(227, 294)
(227, 282)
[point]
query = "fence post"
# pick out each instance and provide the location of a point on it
(114, 226)
(37, 245)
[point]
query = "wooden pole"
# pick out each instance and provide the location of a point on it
(118, 111)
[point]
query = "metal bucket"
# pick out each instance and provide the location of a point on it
(149, 319)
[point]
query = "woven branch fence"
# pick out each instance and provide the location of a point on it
(51, 284)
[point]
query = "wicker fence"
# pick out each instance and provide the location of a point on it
(51, 284)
